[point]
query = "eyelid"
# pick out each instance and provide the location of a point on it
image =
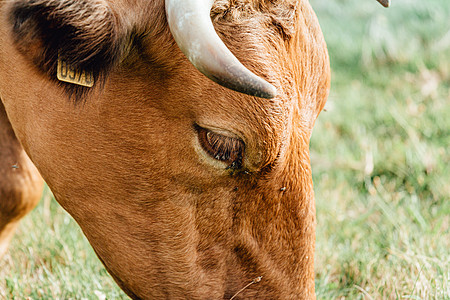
(221, 147)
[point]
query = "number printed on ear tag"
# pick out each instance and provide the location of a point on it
(70, 74)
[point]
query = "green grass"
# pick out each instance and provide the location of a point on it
(380, 157)
(49, 258)
(380, 153)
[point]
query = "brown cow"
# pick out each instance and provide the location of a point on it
(184, 188)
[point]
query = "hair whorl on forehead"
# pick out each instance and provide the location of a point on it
(84, 32)
(277, 15)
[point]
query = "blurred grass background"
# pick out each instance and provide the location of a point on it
(380, 157)
(380, 152)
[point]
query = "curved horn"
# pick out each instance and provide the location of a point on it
(192, 28)
(385, 3)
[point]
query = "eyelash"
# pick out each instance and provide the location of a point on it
(220, 147)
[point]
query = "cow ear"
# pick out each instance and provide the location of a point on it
(84, 32)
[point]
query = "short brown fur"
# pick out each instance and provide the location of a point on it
(20, 183)
(167, 220)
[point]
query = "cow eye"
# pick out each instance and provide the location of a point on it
(221, 147)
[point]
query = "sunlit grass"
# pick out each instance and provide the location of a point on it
(51, 259)
(380, 157)
(380, 153)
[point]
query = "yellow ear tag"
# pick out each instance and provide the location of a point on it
(70, 74)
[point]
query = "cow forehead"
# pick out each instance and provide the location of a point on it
(261, 37)
(185, 95)
(251, 42)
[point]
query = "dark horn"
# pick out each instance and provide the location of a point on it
(385, 3)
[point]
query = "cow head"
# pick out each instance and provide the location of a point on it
(184, 188)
